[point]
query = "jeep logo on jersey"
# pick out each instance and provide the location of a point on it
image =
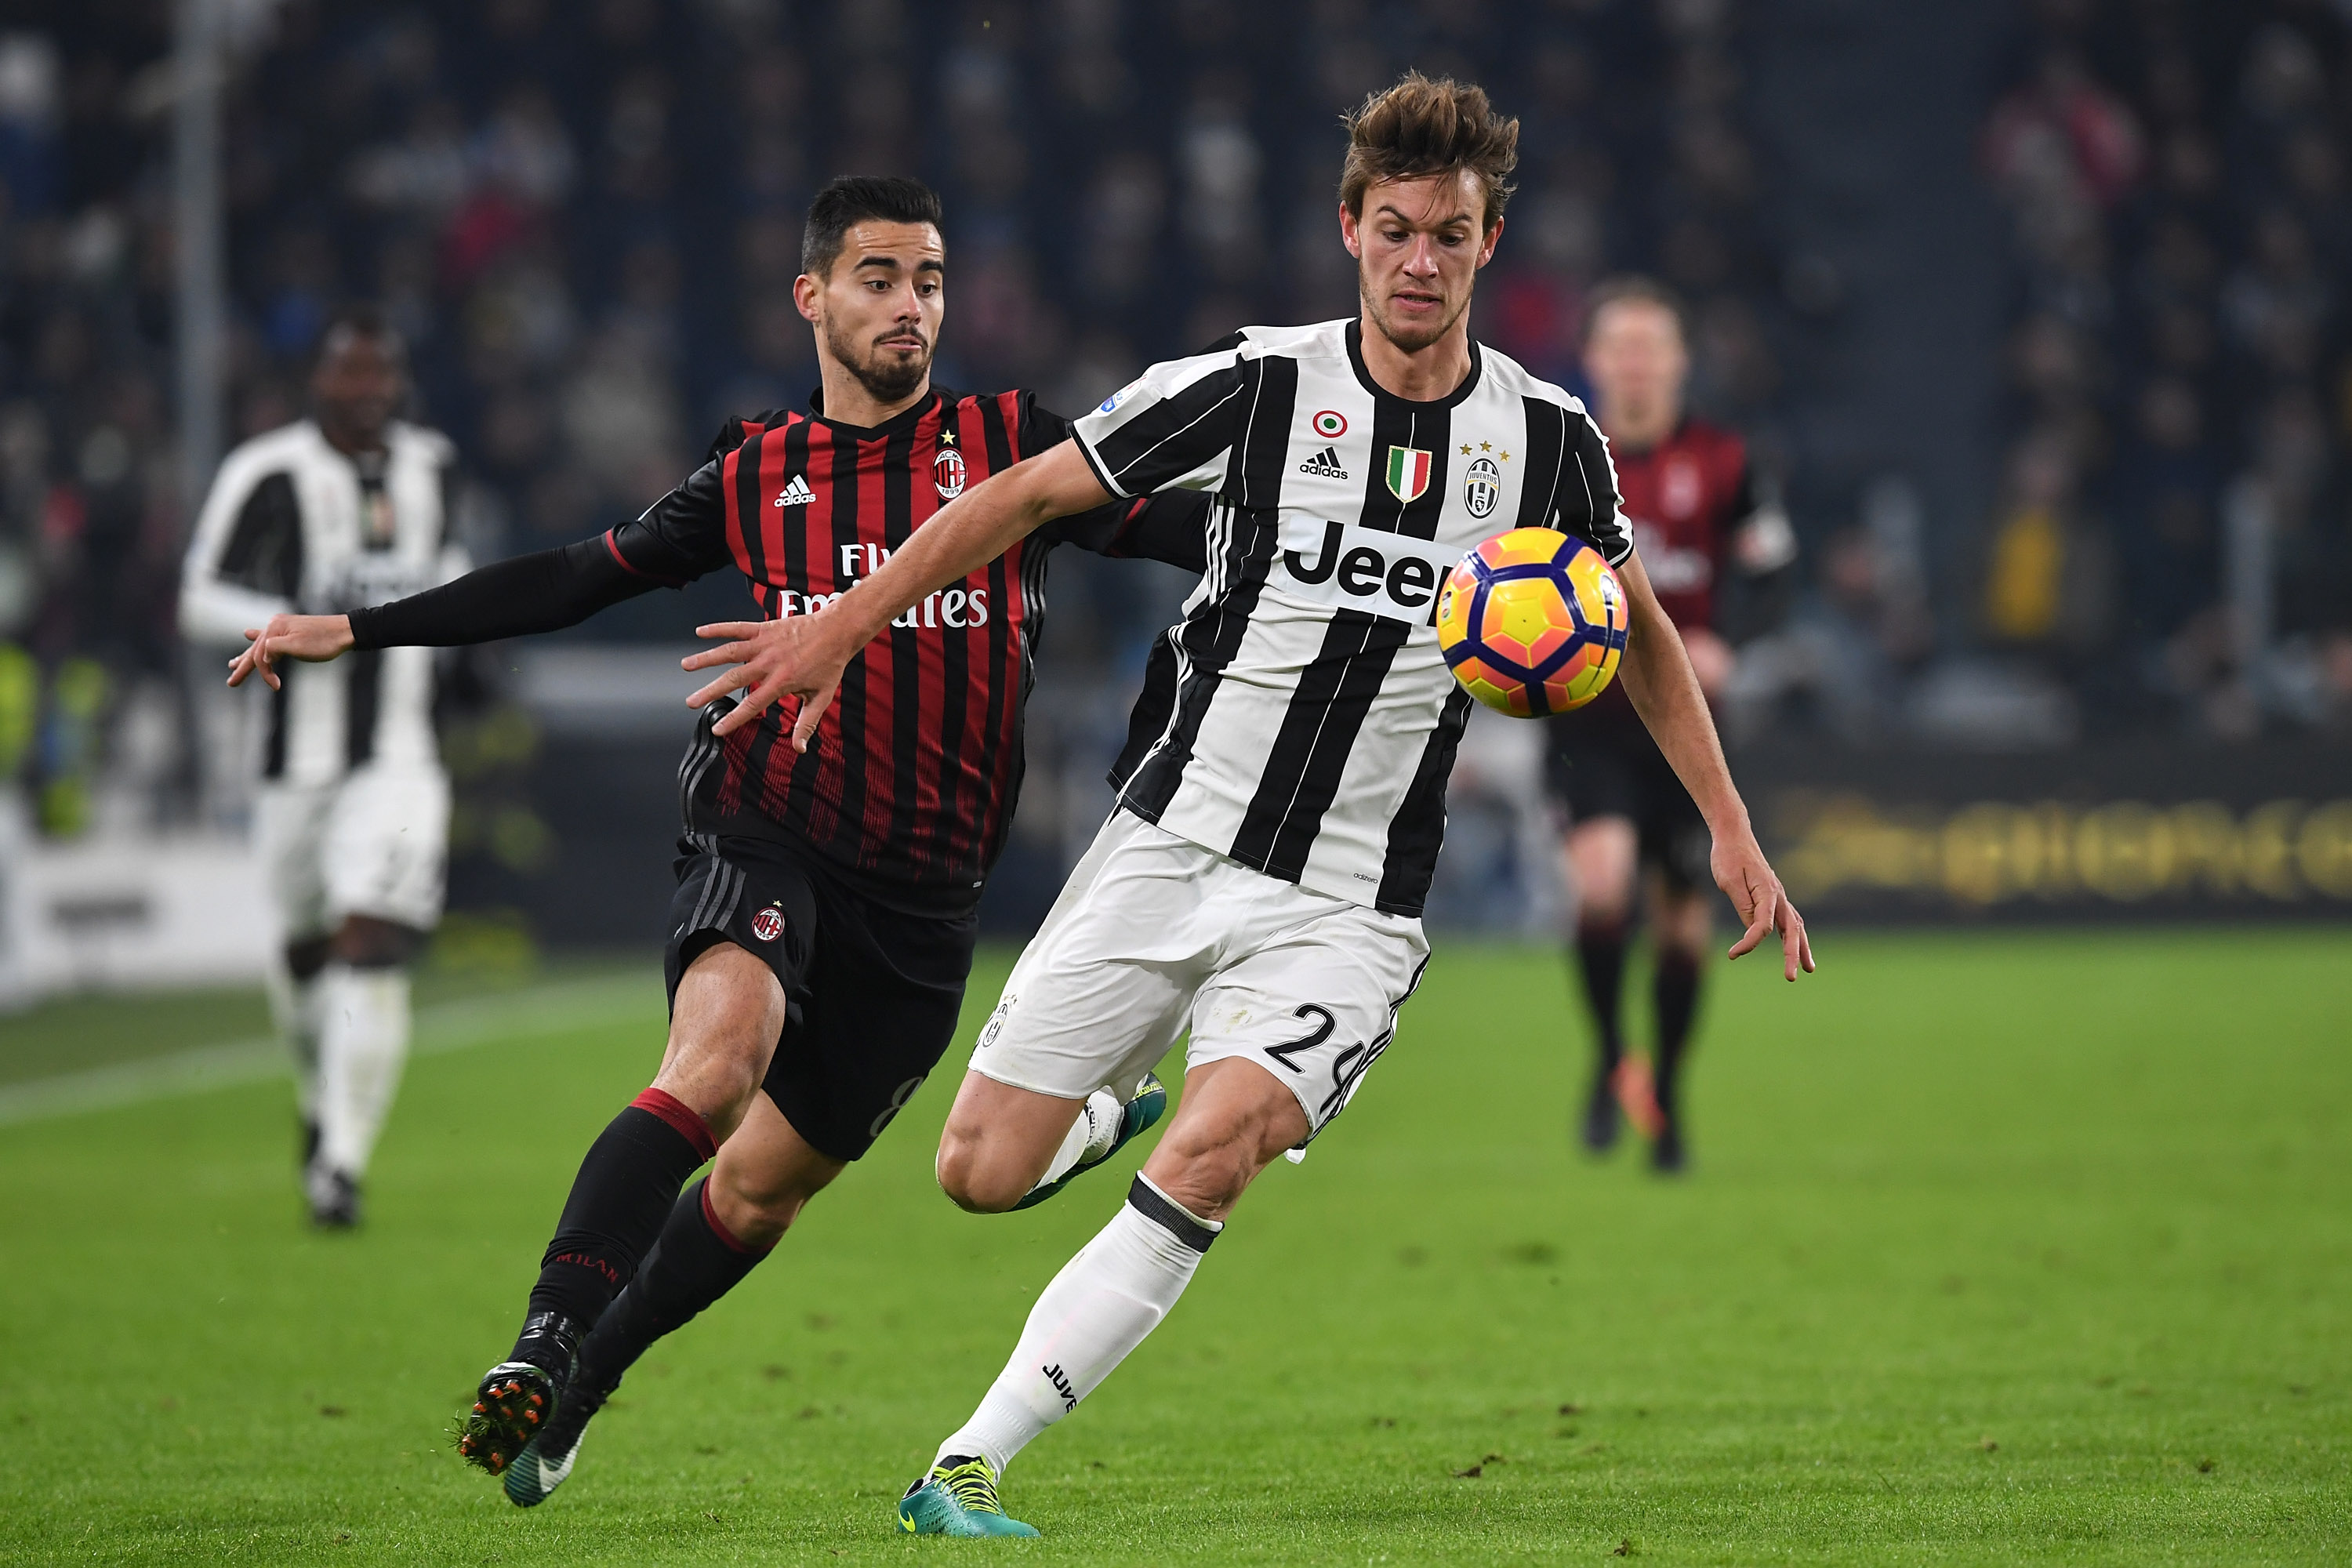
(1352, 567)
(768, 924)
(946, 473)
(1482, 487)
(1408, 473)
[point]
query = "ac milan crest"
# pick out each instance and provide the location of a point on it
(948, 473)
(768, 924)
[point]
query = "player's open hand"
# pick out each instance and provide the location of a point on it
(313, 640)
(1741, 872)
(773, 660)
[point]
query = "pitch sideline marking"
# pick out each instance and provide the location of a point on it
(449, 1027)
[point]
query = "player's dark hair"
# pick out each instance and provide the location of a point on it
(362, 319)
(849, 199)
(1422, 126)
(1635, 288)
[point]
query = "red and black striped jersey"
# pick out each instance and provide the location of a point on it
(912, 778)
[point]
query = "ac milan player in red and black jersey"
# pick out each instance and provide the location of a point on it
(824, 923)
(1699, 524)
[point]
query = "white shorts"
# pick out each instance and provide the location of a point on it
(376, 844)
(1154, 935)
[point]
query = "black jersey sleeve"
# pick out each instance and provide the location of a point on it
(679, 538)
(1170, 527)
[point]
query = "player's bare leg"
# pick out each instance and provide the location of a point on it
(1680, 926)
(718, 1232)
(1006, 1148)
(1234, 1120)
(1601, 854)
(724, 1024)
(359, 1005)
(998, 1141)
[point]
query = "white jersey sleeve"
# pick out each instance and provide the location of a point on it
(1173, 427)
(245, 563)
(1584, 498)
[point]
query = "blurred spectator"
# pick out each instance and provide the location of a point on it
(2175, 174)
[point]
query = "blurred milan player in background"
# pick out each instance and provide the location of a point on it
(1702, 527)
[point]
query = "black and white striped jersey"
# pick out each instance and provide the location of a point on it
(1300, 718)
(293, 524)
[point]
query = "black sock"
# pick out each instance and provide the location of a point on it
(697, 1261)
(626, 1186)
(1677, 1003)
(1601, 960)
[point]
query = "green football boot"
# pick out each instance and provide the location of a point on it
(957, 1498)
(1143, 1110)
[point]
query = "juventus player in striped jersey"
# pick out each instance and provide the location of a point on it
(1260, 881)
(823, 926)
(348, 508)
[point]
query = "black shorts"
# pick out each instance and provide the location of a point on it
(872, 992)
(1616, 770)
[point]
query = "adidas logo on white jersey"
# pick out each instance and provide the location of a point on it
(796, 493)
(1324, 465)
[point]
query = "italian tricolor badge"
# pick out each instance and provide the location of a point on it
(1408, 473)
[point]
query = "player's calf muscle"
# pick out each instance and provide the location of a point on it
(1235, 1120)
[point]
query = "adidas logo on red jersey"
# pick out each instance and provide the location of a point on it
(796, 493)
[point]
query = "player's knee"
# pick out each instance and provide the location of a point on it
(976, 1177)
(756, 1210)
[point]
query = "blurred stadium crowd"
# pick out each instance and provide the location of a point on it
(2174, 526)
(585, 218)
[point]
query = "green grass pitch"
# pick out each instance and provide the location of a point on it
(1999, 1248)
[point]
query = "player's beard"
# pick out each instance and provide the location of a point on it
(1410, 338)
(886, 378)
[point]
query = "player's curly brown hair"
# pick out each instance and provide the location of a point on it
(1425, 126)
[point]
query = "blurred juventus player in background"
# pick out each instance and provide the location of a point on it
(348, 508)
(1702, 529)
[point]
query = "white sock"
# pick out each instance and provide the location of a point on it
(1099, 1308)
(1090, 1137)
(362, 1044)
(294, 1009)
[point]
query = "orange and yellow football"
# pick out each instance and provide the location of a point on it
(1532, 622)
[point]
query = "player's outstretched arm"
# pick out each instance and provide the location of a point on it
(1665, 691)
(803, 656)
(542, 591)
